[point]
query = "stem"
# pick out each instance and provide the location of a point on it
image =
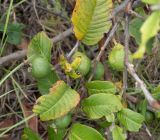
(126, 50)
(103, 49)
(73, 50)
(5, 26)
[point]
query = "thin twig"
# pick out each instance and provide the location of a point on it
(21, 54)
(102, 49)
(73, 50)
(153, 103)
(126, 50)
(147, 130)
(120, 8)
(136, 14)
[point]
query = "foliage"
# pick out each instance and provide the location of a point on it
(98, 105)
(117, 133)
(28, 134)
(60, 100)
(91, 20)
(131, 120)
(64, 121)
(55, 135)
(102, 103)
(14, 32)
(95, 87)
(40, 46)
(81, 132)
(148, 31)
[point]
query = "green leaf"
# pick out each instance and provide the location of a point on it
(117, 133)
(44, 84)
(110, 117)
(95, 87)
(40, 46)
(156, 95)
(131, 120)
(57, 103)
(58, 135)
(150, 45)
(91, 20)
(83, 132)
(151, 1)
(148, 30)
(99, 105)
(142, 106)
(14, 32)
(134, 29)
(28, 134)
(156, 90)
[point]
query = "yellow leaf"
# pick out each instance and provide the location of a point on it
(90, 20)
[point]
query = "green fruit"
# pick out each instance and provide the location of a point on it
(40, 67)
(63, 122)
(99, 72)
(85, 63)
(149, 116)
(116, 57)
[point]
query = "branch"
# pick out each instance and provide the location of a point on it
(126, 50)
(73, 50)
(153, 103)
(21, 54)
(120, 8)
(102, 49)
(13, 56)
(130, 68)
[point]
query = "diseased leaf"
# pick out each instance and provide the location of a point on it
(98, 105)
(57, 103)
(68, 68)
(117, 133)
(28, 134)
(40, 46)
(90, 20)
(95, 87)
(148, 30)
(83, 132)
(131, 120)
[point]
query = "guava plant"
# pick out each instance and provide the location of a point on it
(68, 113)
